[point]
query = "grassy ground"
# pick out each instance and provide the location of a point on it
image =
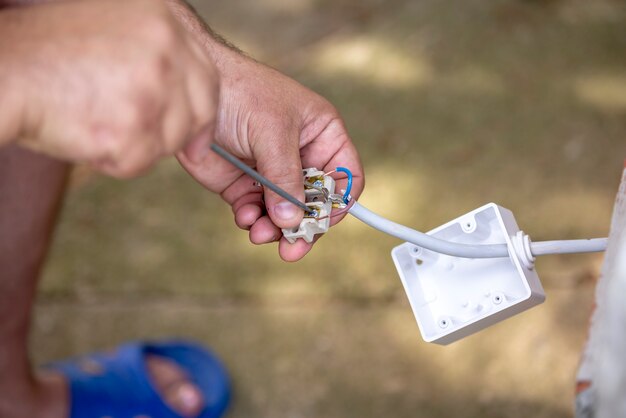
(452, 104)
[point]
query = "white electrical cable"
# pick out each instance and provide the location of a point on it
(592, 245)
(426, 241)
(465, 250)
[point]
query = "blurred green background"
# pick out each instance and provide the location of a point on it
(452, 105)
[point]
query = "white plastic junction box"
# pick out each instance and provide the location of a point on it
(453, 297)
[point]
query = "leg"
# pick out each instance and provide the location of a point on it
(31, 188)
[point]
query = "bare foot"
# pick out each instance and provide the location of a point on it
(169, 379)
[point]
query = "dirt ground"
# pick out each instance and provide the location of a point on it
(452, 105)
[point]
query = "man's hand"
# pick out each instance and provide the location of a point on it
(271, 122)
(115, 84)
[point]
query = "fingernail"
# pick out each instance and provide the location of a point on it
(286, 211)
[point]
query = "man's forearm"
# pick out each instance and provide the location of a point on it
(190, 18)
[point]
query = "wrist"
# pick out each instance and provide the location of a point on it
(223, 53)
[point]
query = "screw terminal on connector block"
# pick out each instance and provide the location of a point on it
(318, 189)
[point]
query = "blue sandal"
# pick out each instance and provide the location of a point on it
(117, 384)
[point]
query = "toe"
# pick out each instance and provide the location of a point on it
(185, 398)
(174, 386)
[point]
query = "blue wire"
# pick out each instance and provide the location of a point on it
(346, 195)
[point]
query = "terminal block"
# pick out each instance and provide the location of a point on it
(319, 195)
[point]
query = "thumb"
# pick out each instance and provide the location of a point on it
(279, 161)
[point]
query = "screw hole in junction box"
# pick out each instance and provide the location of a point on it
(468, 226)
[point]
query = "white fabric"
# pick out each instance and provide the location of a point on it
(603, 358)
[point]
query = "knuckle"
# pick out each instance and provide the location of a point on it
(280, 125)
(141, 114)
(130, 123)
(329, 110)
(161, 30)
(280, 174)
(330, 115)
(155, 65)
(156, 71)
(163, 67)
(139, 106)
(287, 176)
